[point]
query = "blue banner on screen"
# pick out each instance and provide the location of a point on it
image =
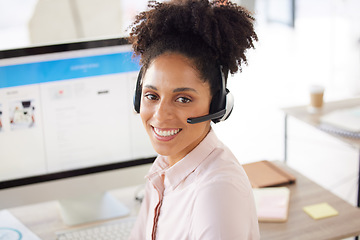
(40, 72)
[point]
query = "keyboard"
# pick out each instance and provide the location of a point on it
(119, 230)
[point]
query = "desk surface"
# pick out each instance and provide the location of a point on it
(301, 113)
(301, 226)
(44, 220)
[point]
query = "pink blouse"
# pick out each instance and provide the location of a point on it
(206, 196)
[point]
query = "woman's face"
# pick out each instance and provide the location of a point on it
(173, 92)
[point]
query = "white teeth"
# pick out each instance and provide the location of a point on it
(166, 133)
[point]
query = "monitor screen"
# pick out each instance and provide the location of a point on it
(66, 110)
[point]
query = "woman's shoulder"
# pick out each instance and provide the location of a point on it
(223, 169)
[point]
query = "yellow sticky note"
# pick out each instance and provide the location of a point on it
(321, 210)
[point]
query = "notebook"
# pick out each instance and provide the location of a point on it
(267, 174)
(345, 119)
(272, 204)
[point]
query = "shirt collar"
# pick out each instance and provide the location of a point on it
(178, 172)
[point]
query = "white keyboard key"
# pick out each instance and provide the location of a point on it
(119, 230)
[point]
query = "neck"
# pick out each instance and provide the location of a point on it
(172, 160)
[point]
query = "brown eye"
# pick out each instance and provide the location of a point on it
(183, 100)
(151, 96)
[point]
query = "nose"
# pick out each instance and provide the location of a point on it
(164, 111)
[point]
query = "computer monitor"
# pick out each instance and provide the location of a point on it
(68, 131)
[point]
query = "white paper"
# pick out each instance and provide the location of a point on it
(12, 229)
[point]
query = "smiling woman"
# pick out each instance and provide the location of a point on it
(173, 92)
(196, 189)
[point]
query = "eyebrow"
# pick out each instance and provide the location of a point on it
(184, 89)
(176, 90)
(151, 87)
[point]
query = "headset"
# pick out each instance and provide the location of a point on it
(221, 104)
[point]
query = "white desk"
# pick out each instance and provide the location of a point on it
(301, 113)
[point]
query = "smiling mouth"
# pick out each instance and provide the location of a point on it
(166, 132)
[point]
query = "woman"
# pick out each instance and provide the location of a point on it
(196, 188)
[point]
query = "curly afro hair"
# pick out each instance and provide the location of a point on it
(211, 34)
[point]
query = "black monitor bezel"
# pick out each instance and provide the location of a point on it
(73, 173)
(56, 48)
(62, 47)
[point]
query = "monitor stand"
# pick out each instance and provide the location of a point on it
(90, 208)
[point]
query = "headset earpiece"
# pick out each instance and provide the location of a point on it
(138, 89)
(222, 102)
(229, 105)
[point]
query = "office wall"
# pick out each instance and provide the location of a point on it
(34, 22)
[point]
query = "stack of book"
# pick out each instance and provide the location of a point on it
(272, 197)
